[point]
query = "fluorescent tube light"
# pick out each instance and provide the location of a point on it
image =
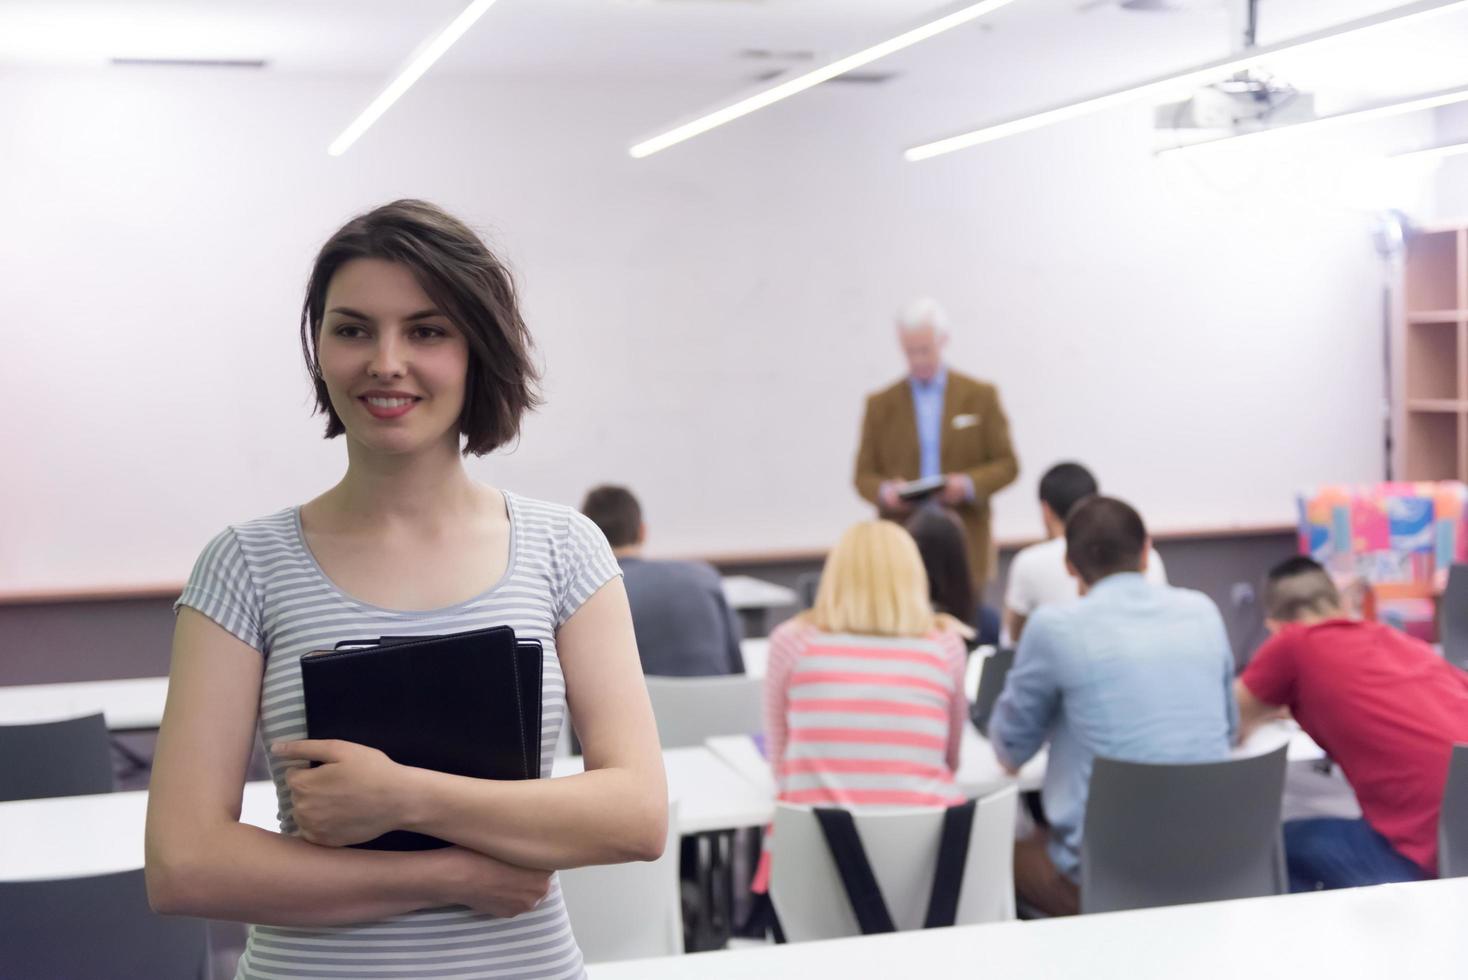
(1380, 110)
(1431, 152)
(1192, 77)
(420, 64)
(784, 90)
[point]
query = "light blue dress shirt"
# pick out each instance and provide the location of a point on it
(1131, 671)
(927, 403)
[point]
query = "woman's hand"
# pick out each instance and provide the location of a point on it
(358, 793)
(489, 885)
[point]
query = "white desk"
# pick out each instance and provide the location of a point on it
(129, 705)
(756, 654)
(979, 772)
(80, 836)
(746, 592)
(710, 794)
(1411, 930)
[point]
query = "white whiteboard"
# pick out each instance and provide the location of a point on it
(710, 320)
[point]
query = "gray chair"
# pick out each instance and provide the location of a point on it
(96, 928)
(56, 758)
(1453, 617)
(1452, 822)
(1175, 834)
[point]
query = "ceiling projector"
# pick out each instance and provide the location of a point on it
(1246, 102)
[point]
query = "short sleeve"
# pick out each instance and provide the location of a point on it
(1270, 676)
(586, 564)
(221, 588)
(1018, 593)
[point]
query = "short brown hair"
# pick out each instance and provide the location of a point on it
(1104, 536)
(1297, 587)
(616, 512)
(469, 284)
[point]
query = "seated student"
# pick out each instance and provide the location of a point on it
(943, 544)
(1133, 671)
(683, 623)
(864, 703)
(1382, 704)
(1037, 575)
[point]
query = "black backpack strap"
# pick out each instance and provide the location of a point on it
(958, 822)
(839, 829)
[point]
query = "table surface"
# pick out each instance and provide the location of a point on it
(1409, 930)
(130, 704)
(74, 836)
(747, 592)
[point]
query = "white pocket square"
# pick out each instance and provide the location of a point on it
(965, 421)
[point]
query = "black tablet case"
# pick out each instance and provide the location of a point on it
(465, 703)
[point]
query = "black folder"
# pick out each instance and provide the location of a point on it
(466, 703)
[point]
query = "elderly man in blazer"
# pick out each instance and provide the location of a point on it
(936, 422)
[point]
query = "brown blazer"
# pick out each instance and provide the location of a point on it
(974, 440)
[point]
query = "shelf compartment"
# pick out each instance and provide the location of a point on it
(1432, 362)
(1432, 272)
(1432, 445)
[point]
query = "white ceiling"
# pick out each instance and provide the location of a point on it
(1051, 49)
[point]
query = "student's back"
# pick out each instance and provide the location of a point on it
(1384, 706)
(684, 625)
(1132, 671)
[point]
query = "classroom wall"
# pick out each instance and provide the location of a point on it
(1451, 176)
(1205, 333)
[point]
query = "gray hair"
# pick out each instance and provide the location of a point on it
(920, 313)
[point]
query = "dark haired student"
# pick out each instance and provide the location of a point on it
(1383, 705)
(1133, 671)
(685, 627)
(419, 355)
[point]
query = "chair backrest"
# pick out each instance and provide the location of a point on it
(902, 846)
(72, 757)
(991, 684)
(627, 911)
(1173, 834)
(96, 927)
(1453, 616)
(691, 709)
(1452, 822)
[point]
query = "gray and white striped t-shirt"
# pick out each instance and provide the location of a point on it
(259, 581)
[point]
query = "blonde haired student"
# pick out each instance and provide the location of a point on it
(415, 344)
(864, 702)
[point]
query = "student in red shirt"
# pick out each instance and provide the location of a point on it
(1384, 706)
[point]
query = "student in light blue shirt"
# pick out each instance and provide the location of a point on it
(1132, 671)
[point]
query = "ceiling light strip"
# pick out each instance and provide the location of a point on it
(416, 68)
(1381, 110)
(1209, 72)
(784, 90)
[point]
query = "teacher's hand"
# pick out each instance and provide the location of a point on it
(956, 489)
(888, 499)
(354, 796)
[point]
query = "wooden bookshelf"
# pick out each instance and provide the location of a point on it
(1432, 347)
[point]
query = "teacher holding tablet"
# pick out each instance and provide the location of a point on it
(415, 345)
(936, 435)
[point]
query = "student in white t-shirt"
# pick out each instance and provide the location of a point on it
(1037, 575)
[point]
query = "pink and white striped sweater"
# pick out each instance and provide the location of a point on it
(864, 721)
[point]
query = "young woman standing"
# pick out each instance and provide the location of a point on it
(419, 356)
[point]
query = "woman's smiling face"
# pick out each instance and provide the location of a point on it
(395, 366)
